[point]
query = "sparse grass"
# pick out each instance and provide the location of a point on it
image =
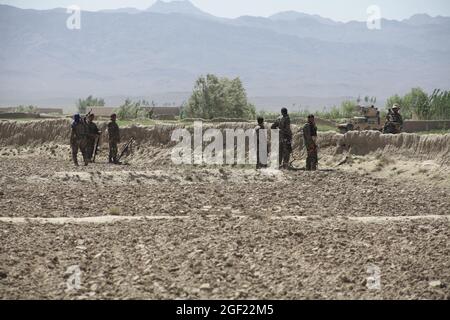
(441, 131)
(377, 169)
(437, 177)
(143, 122)
(384, 161)
(325, 128)
(114, 211)
(444, 131)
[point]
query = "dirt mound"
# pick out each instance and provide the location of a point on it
(403, 145)
(34, 132)
(358, 143)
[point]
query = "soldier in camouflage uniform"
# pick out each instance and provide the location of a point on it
(310, 141)
(93, 135)
(284, 125)
(78, 139)
(394, 121)
(261, 142)
(114, 139)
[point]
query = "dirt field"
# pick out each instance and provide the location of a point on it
(153, 230)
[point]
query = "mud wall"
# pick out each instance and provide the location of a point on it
(34, 132)
(420, 126)
(403, 145)
(359, 143)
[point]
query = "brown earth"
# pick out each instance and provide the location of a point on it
(225, 239)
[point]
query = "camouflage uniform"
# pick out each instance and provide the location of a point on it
(78, 141)
(394, 123)
(261, 162)
(309, 136)
(284, 125)
(114, 139)
(93, 133)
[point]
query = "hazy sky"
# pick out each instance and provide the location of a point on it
(343, 10)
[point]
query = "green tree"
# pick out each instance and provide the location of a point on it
(395, 99)
(134, 110)
(26, 109)
(90, 101)
(439, 102)
(215, 97)
(416, 102)
(348, 109)
(425, 107)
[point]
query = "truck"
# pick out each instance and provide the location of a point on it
(369, 119)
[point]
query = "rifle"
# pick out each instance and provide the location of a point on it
(97, 142)
(127, 149)
(86, 116)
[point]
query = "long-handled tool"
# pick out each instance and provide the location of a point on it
(96, 148)
(127, 149)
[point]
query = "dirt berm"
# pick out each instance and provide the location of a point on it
(420, 147)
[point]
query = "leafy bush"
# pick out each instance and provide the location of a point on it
(417, 103)
(134, 110)
(214, 97)
(90, 101)
(26, 109)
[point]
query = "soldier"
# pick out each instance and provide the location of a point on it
(284, 125)
(93, 135)
(394, 121)
(114, 139)
(396, 118)
(310, 141)
(78, 139)
(261, 142)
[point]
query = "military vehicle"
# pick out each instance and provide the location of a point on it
(368, 120)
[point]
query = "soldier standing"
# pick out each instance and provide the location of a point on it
(93, 135)
(310, 140)
(284, 125)
(78, 139)
(114, 139)
(261, 142)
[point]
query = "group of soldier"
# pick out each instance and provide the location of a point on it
(394, 125)
(85, 137)
(283, 124)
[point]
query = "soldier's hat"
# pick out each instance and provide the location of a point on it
(395, 106)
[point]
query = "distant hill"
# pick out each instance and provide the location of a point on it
(122, 10)
(165, 48)
(179, 7)
(425, 19)
(294, 15)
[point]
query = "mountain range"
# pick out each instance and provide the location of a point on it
(290, 57)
